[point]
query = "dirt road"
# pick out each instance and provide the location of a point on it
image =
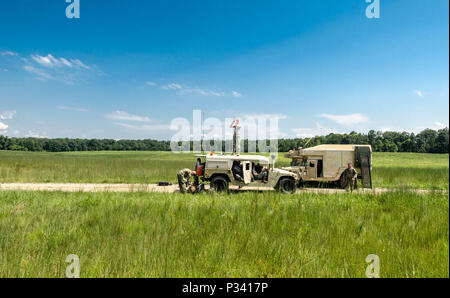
(83, 187)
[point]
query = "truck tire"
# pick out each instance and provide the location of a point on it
(287, 185)
(219, 184)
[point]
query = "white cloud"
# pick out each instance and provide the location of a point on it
(6, 115)
(51, 62)
(32, 134)
(319, 130)
(439, 125)
(150, 83)
(120, 115)
(183, 90)
(173, 86)
(214, 93)
(65, 62)
(48, 61)
(201, 92)
(67, 108)
(347, 120)
(265, 116)
(436, 126)
(156, 127)
(260, 124)
(418, 93)
(305, 132)
(40, 73)
(236, 94)
(50, 67)
(78, 63)
(8, 53)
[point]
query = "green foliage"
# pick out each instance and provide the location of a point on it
(66, 145)
(237, 235)
(428, 141)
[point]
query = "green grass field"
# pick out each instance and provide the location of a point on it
(390, 170)
(247, 234)
(237, 235)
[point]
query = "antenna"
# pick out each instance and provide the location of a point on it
(320, 129)
(201, 129)
(309, 141)
(273, 159)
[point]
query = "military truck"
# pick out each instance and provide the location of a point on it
(219, 171)
(327, 163)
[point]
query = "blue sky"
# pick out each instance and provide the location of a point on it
(125, 69)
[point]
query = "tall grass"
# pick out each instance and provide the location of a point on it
(427, 171)
(92, 167)
(391, 170)
(238, 235)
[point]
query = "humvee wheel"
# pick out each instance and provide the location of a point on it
(219, 184)
(287, 185)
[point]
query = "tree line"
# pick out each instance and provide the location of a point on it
(427, 141)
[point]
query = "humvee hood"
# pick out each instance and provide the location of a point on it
(283, 172)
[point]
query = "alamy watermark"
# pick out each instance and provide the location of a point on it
(373, 269)
(214, 135)
(373, 9)
(73, 269)
(73, 9)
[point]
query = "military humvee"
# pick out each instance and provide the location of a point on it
(327, 163)
(218, 169)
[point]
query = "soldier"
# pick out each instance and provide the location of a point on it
(197, 164)
(237, 171)
(350, 175)
(259, 173)
(236, 137)
(197, 170)
(184, 179)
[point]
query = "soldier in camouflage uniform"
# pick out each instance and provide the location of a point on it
(350, 175)
(236, 137)
(184, 180)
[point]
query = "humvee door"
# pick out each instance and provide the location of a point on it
(312, 168)
(247, 171)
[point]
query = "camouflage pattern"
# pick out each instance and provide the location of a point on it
(184, 180)
(237, 172)
(350, 175)
(236, 136)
